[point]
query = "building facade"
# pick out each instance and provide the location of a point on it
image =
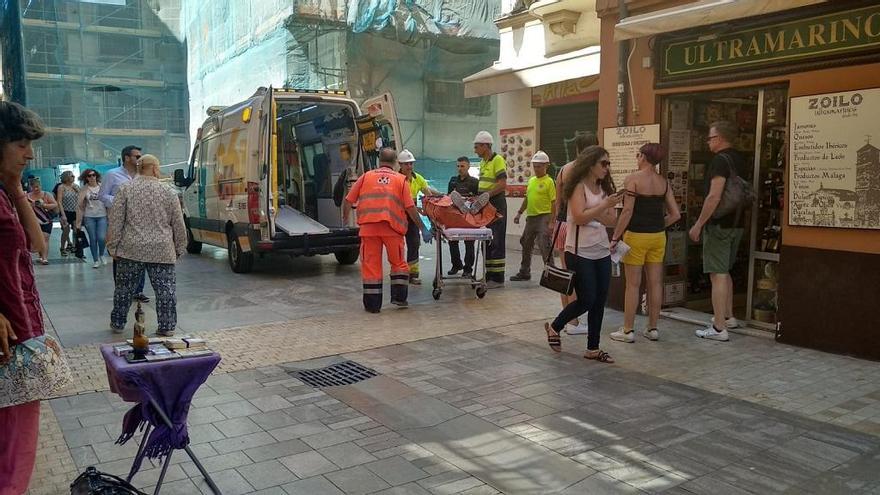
(547, 81)
(102, 75)
(800, 81)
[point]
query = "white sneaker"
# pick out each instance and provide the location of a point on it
(711, 334)
(732, 322)
(651, 334)
(103, 260)
(623, 336)
(576, 329)
(97, 264)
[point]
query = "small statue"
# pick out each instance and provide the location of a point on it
(140, 343)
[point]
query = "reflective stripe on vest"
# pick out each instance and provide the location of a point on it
(487, 181)
(380, 201)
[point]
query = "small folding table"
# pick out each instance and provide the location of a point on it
(163, 391)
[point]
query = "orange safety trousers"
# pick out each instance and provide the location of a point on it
(371, 269)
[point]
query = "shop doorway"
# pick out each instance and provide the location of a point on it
(760, 115)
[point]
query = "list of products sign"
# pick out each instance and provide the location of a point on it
(835, 160)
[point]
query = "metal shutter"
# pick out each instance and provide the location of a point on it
(560, 123)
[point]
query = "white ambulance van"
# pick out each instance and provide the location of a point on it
(262, 173)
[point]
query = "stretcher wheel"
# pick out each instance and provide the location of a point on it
(436, 293)
(481, 292)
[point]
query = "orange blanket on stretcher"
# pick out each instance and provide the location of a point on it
(442, 212)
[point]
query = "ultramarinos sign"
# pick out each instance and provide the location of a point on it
(838, 34)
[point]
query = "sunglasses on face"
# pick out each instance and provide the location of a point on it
(605, 163)
(91, 175)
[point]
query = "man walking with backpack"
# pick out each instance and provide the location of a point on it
(720, 224)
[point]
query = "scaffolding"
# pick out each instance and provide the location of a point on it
(103, 76)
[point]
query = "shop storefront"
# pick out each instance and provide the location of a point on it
(801, 85)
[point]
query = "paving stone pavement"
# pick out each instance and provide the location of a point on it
(474, 413)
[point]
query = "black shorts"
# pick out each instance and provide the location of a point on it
(70, 216)
(46, 227)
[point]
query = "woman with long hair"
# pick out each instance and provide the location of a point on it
(44, 207)
(648, 208)
(92, 213)
(589, 192)
(66, 195)
(21, 318)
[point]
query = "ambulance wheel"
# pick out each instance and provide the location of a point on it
(192, 246)
(239, 261)
(347, 257)
(436, 293)
(481, 292)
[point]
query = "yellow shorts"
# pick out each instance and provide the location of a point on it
(644, 248)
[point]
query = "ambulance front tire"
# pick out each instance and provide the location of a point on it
(192, 246)
(239, 261)
(347, 257)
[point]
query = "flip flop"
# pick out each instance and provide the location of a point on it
(553, 339)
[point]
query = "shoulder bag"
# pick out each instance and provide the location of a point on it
(738, 193)
(37, 370)
(557, 279)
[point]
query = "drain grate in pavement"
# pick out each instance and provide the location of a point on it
(344, 373)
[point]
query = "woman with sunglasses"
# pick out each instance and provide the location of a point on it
(589, 192)
(649, 207)
(92, 212)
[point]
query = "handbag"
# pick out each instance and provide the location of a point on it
(82, 240)
(94, 482)
(37, 370)
(557, 279)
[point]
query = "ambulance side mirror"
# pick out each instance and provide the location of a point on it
(180, 180)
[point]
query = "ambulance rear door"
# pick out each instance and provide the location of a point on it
(385, 131)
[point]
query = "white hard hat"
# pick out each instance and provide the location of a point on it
(483, 137)
(540, 157)
(406, 156)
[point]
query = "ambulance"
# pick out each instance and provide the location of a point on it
(262, 173)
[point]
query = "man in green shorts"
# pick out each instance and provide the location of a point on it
(721, 235)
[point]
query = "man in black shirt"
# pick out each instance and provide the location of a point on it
(466, 186)
(722, 235)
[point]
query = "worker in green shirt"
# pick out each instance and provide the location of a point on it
(493, 182)
(538, 205)
(417, 184)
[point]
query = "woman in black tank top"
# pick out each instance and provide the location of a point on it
(648, 209)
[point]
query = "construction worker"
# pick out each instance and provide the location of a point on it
(417, 184)
(539, 207)
(383, 204)
(493, 182)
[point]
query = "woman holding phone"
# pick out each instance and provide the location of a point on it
(589, 192)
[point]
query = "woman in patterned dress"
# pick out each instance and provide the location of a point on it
(146, 233)
(20, 315)
(66, 195)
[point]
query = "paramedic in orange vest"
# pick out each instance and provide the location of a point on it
(383, 202)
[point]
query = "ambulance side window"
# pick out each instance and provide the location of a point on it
(195, 165)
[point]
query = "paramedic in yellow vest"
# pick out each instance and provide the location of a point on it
(538, 205)
(384, 204)
(417, 184)
(493, 182)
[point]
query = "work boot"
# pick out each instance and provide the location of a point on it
(415, 280)
(467, 273)
(493, 284)
(402, 304)
(521, 277)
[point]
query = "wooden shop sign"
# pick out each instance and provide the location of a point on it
(836, 34)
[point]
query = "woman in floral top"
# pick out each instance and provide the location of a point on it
(146, 233)
(20, 315)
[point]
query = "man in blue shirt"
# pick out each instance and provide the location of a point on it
(113, 180)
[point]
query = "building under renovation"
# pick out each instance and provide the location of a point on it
(107, 73)
(419, 50)
(102, 75)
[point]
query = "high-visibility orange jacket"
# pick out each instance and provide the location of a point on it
(382, 195)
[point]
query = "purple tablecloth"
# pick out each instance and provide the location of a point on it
(171, 384)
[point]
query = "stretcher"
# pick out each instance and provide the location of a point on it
(481, 236)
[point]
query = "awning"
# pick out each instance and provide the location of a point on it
(501, 79)
(700, 13)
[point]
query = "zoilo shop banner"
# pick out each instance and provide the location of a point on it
(835, 161)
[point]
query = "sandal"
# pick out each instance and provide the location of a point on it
(553, 339)
(601, 356)
(44, 261)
